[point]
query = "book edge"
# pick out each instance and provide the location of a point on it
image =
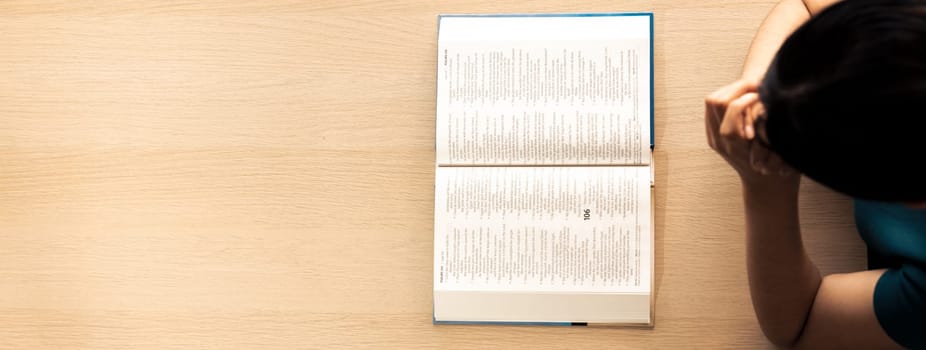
(554, 14)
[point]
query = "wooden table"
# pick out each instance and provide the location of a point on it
(244, 174)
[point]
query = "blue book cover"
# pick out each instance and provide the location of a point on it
(527, 236)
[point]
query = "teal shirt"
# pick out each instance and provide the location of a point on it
(896, 239)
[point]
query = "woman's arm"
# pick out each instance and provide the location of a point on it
(794, 305)
(783, 20)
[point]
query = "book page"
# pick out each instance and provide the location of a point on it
(555, 229)
(540, 101)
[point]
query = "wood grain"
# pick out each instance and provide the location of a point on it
(241, 174)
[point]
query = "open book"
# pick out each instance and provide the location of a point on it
(543, 208)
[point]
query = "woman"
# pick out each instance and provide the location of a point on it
(835, 92)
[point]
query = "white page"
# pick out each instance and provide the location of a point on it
(543, 91)
(525, 229)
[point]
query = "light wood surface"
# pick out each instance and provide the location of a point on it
(259, 174)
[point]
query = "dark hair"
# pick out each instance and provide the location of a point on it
(845, 99)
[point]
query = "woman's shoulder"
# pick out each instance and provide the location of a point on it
(892, 229)
(890, 210)
(896, 238)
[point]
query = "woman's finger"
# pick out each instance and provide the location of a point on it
(754, 112)
(734, 120)
(728, 93)
(718, 101)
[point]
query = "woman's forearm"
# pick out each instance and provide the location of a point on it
(783, 281)
(787, 16)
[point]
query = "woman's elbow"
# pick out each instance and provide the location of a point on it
(781, 334)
